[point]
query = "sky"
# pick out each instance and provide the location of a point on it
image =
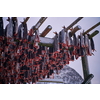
(57, 23)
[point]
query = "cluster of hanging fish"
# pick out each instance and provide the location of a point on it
(23, 60)
(72, 46)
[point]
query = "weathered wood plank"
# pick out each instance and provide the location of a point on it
(91, 28)
(46, 31)
(75, 29)
(46, 41)
(94, 33)
(75, 22)
(39, 23)
(85, 67)
(88, 79)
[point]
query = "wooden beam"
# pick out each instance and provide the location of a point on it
(46, 41)
(88, 79)
(75, 22)
(91, 28)
(46, 31)
(75, 29)
(52, 81)
(40, 22)
(93, 34)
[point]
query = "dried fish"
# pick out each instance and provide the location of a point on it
(92, 44)
(1, 27)
(62, 38)
(68, 39)
(82, 40)
(89, 49)
(56, 44)
(86, 40)
(15, 26)
(10, 29)
(74, 41)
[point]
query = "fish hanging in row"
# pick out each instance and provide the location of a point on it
(26, 61)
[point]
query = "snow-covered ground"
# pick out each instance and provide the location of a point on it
(66, 76)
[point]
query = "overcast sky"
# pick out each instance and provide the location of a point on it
(85, 23)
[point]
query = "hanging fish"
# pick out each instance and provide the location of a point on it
(74, 41)
(62, 38)
(50, 51)
(15, 26)
(92, 44)
(82, 51)
(1, 27)
(86, 40)
(71, 40)
(10, 29)
(77, 53)
(89, 49)
(39, 51)
(17, 67)
(78, 41)
(56, 44)
(20, 32)
(31, 31)
(82, 46)
(82, 40)
(68, 39)
(25, 32)
(43, 50)
(36, 40)
(77, 50)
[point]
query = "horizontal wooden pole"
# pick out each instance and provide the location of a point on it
(46, 31)
(75, 22)
(40, 22)
(75, 29)
(46, 41)
(93, 34)
(52, 81)
(91, 28)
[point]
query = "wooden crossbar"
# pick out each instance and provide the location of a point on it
(94, 26)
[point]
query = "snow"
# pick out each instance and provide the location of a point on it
(66, 76)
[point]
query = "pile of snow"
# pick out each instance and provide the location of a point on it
(66, 76)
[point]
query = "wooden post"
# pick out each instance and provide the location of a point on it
(85, 67)
(85, 59)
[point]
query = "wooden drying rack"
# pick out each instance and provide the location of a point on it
(49, 41)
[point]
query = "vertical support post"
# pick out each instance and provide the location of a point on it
(85, 67)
